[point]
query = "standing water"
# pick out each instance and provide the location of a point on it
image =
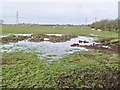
(46, 48)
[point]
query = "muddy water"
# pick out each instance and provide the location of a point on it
(47, 49)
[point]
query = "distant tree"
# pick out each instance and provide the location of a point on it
(106, 25)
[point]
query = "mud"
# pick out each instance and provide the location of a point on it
(110, 45)
(13, 38)
(36, 38)
(46, 48)
(50, 37)
(100, 47)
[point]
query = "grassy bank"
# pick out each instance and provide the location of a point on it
(87, 69)
(74, 30)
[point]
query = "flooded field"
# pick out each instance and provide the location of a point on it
(59, 61)
(45, 48)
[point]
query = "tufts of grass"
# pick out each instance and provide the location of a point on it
(12, 38)
(89, 69)
(52, 38)
(112, 42)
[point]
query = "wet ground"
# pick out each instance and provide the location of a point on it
(46, 48)
(106, 46)
(52, 46)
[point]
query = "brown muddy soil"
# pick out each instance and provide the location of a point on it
(13, 39)
(110, 45)
(104, 79)
(51, 38)
(100, 47)
(36, 38)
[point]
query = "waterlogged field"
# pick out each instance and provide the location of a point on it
(53, 57)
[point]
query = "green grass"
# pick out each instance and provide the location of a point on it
(52, 38)
(12, 38)
(74, 30)
(87, 69)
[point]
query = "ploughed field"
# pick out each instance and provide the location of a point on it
(60, 60)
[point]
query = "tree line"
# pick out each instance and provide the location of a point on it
(106, 25)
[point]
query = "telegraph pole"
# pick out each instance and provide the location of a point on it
(17, 18)
(95, 19)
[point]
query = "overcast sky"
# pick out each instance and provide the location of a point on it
(58, 11)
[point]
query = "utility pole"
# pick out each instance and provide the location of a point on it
(95, 19)
(17, 18)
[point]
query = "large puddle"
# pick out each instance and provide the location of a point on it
(47, 49)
